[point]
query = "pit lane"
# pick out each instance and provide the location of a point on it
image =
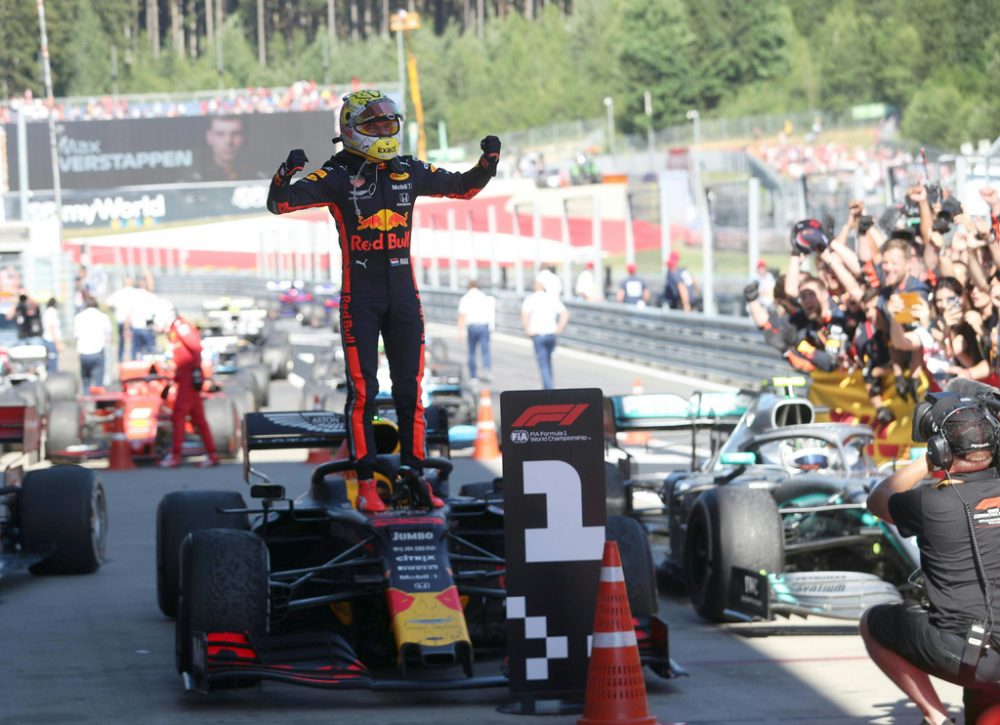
(95, 649)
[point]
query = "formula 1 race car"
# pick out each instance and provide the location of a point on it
(53, 520)
(311, 591)
(82, 429)
(775, 520)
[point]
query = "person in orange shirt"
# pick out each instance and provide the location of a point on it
(185, 341)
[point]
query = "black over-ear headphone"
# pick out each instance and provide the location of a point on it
(940, 454)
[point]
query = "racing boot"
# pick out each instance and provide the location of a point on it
(437, 502)
(368, 499)
(170, 461)
(210, 461)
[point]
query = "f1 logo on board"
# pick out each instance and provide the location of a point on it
(561, 414)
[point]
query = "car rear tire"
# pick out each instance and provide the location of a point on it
(64, 507)
(729, 526)
(179, 514)
(263, 378)
(63, 428)
(637, 564)
(278, 359)
(61, 386)
(221, 414)
(223, 587)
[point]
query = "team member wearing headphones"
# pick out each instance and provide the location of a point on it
(957, 524)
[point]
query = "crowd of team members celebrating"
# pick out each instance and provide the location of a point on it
(919, 293)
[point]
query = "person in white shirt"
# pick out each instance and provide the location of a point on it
(52, 333)
(550, 281)
(144, 307)
(121, 302)
(476, 319)
(543, 316)
(586, 284)
(92, 331)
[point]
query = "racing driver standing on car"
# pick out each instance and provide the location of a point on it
(370, 190)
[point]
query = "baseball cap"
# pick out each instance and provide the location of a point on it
(761, 264)
(631, 269)
(673, 259)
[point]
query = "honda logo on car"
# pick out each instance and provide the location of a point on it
(560, 416)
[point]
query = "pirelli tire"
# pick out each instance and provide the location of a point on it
(64, 427)
(277, 357)
(223, 587)
(179, 514)
(224, 422)
(262, 376)
(729, 526)
(637, 564)
(61, 386)
(63, 510)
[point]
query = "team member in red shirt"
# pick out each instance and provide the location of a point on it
(186, 343)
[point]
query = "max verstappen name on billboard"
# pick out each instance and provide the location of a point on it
(526, 428)
(84, 156)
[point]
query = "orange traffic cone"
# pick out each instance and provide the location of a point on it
(120, 457)
(637, 388)
(616, 691)
(486, 446)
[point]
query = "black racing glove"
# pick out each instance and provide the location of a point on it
(491, 154)
(884, 416)
(295, 162)
(903, 387)
(751, 292)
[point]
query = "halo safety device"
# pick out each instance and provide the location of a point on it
(367, 107)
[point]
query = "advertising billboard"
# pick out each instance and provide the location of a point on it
(111, 154)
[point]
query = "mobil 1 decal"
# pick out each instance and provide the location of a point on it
(554, 517)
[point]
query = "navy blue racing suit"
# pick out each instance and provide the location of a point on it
(372, 203)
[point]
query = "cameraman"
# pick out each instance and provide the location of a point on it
(911, 643)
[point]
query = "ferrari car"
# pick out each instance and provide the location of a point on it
(774, 520)
(53, 520)
(82, 429)
(308, 590)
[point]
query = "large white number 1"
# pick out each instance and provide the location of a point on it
(565, 538)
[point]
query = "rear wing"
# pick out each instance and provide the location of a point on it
(293, 429)
(668, 411)
(327, 429)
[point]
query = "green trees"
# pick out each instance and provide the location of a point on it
(541, 61)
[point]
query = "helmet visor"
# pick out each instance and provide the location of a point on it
(379, 118)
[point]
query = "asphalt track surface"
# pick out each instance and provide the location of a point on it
(95, 649)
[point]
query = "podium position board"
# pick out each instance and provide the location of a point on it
(554, 518)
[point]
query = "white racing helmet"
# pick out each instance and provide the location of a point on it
(362, 107)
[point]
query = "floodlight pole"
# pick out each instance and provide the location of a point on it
(51, 101)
